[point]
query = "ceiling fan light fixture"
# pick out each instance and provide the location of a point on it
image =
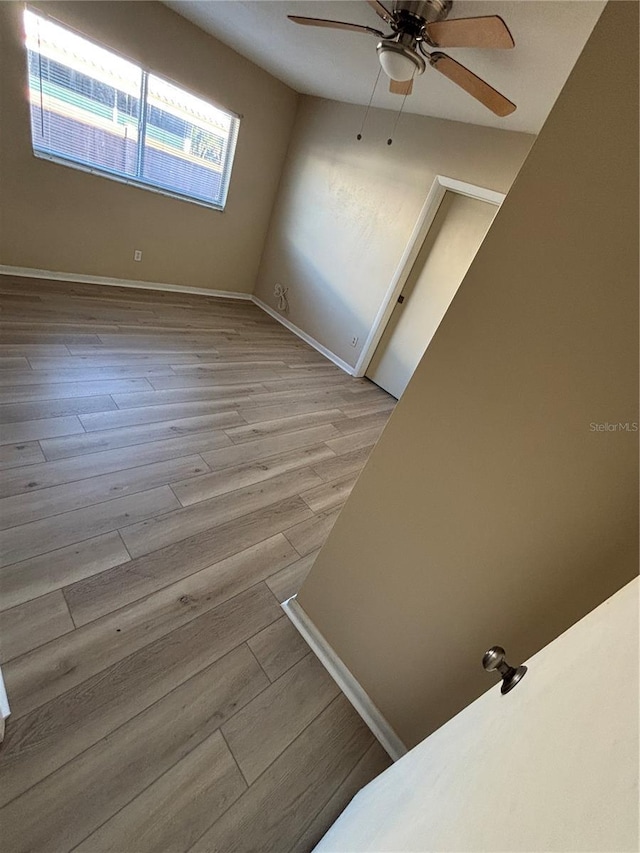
(399, 62)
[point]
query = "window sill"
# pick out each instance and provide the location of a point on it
(122, 179)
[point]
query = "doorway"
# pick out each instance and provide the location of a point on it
(451, 243)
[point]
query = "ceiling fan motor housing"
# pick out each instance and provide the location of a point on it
(421, 11)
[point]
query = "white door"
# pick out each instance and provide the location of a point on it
(550, 766)
(446, 254)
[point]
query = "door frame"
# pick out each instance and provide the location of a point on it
(441, 185)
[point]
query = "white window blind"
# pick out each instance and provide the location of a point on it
(93, 109)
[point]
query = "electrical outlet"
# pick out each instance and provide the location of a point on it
(354, 341)
(137, 255)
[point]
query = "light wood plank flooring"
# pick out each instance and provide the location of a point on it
(171, 465)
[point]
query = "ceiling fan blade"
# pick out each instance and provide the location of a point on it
(380, 10)
(401, 87)
(488, 31)
(467, 80)
(334, 25)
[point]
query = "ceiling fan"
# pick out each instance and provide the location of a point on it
(416, 26)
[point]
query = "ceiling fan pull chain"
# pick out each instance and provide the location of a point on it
(395, 124)
(366, 112)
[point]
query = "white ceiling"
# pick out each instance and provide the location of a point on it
(342, 66)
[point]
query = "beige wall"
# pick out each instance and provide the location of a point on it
(346, 209)
(56, 218)
(490, 511)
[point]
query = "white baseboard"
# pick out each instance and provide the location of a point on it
(79, 278)
(305, 337)
(345, 680)
(4, 706)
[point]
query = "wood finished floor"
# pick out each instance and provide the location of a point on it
(171, 465)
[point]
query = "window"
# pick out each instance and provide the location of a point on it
(94, 110)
